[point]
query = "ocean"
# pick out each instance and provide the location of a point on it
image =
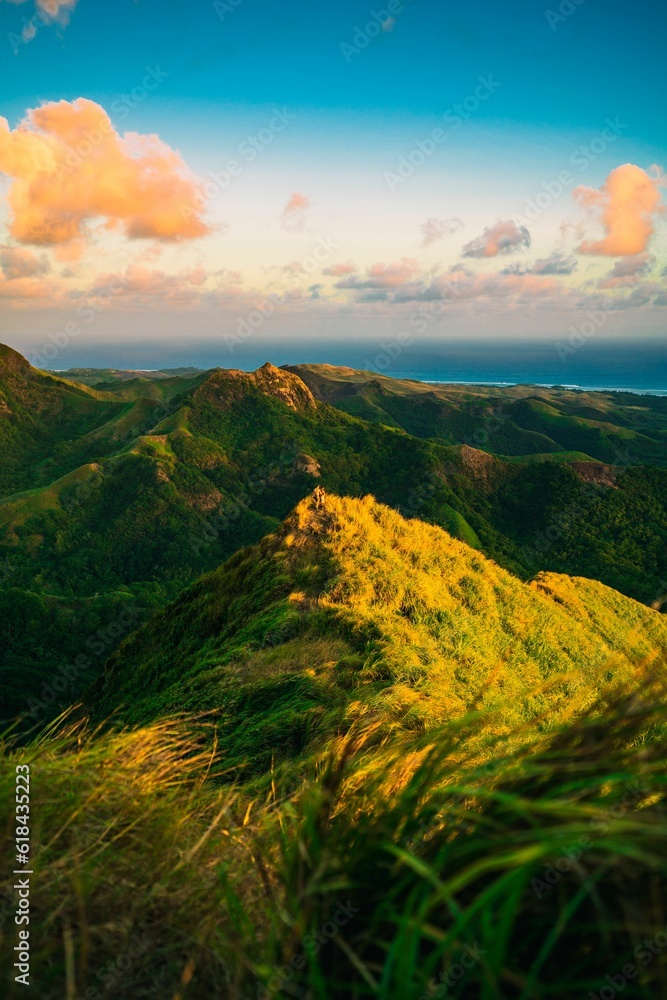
(638, 366)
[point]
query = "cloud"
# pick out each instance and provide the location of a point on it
(382, 278)
(459, 285)
(626, 206)
(70, 167)
(340, 270)
(502, 238)
(56, 9)
(437, 229)
(16, 262)
(46, 12)
(295, 212)
(627, 271)
(402, 282)
(556, 263)
(645, 294)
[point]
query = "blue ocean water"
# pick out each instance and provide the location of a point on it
(638, 366)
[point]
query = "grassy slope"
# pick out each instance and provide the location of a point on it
(160, 480)
(156, 880)
(352, 609)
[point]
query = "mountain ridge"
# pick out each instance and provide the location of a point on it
(350, 609)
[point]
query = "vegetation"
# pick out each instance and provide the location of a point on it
(398, 869)
(361, 756)
(351, 610)
(130, 488)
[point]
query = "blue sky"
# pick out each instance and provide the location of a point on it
(361, 89)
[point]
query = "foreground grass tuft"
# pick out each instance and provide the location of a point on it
(400, 868)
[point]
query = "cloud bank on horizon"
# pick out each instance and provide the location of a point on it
(73, 177)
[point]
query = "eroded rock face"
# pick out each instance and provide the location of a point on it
(308, 464)
(595, 472)
(229, 385)
(478, 463)
(285, 386)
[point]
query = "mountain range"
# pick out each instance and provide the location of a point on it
(331, 685)
(119, 493)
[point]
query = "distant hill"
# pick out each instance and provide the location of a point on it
(102, 376)
(350, 611)
(615, 427)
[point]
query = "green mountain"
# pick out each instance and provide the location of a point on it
(351, 612)
(614, 427)
(116, 498)
(363, 752)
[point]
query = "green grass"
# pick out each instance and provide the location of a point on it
(188, 470)
(541, 861)
(394, 618)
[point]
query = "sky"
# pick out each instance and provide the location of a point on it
(182, 173)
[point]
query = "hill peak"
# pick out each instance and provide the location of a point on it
(12, 361)
(350, 604)
(228, 385)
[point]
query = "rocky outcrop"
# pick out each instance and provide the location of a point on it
(229, 385)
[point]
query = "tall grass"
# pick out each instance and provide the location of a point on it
(399, 868)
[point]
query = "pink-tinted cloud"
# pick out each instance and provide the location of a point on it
(46, 12)
(295, 212)
(437, 229)
(403, 282)
(56, 9)
(460, 286)
(70, 167)
(53, 9)
(340, 270)
(502, 238)
(31, 291)
(626, 206)
(143, 283)
(384, 276)
(383, 281)
(17, 262)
